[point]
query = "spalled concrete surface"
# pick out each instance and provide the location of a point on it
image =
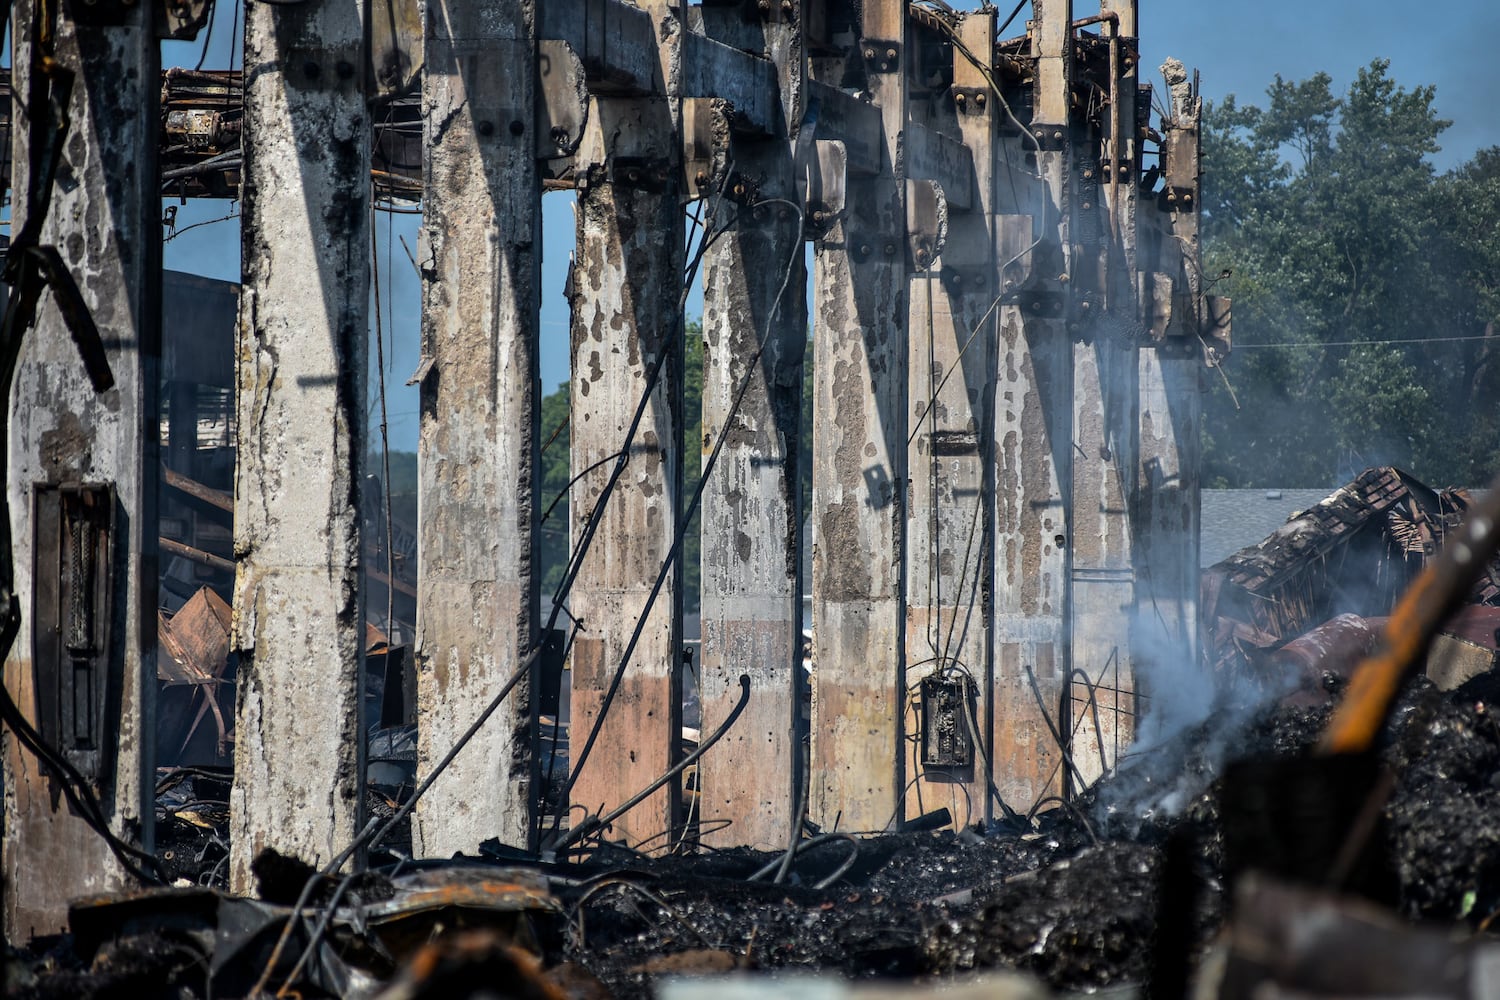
(859, 478)
(299, 627)
(477, 457)
(626, 312)
(752, 605)
(103, 220)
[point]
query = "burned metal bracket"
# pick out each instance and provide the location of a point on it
(1041, 303)
(563, 110)
(971, 100)
(100, 13)
(1050, 138)
(181, 20)
(964, 280)
(74, 537)
(395, 64)
(882, 55)
(926, 222)
(640, 172)
(827, 184)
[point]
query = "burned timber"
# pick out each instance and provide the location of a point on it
(1009, 326)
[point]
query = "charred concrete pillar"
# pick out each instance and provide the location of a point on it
(1106, 334)
(477, 456)
(299, 627)
(82, 466)
(1170, 373)
(627, 315)
(859, 471)
(950, 523)
(1033, 430)
(754, 293)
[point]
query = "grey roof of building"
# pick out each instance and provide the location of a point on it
(1234, 519)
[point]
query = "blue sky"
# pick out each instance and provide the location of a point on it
(1238, 48)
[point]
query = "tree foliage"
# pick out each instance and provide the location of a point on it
(1365, 286)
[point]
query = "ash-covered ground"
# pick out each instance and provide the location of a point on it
(1077, 901)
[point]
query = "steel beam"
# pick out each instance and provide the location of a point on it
(104, 222)
(299, 617)
(859, 470)
(755, 335)
(477, 454)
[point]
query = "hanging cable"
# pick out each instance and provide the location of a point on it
(751, 367)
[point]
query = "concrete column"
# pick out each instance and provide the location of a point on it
(951, 344)
(626, 313)
(299, 621)
(1033, 434)
(754, 287)
(104, 222)
(1171, 393)
(477, 585)
(859, 471)
(1105, 328)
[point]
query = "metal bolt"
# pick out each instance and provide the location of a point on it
(864, 249)
(890, 55)
(979, 281)
(311, 69)
(1087, 205)
(921, 255)
(1171, 195)
(870, 54)
(739, 190)
(559, 135)
(1187, 196)
(1038, 133)
(819, 215)
(633, 174)
(702, 178)
(486, 128)
(1057, 136)
(1085, 305)
(979, 99)
(890, 249)
(1063, 278)
(344, 69)
(759, 213)
(958, 279)
(1088, 175)
(959, 98)
(516, 127)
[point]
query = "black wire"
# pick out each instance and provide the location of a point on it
(586, 537)
(676, 769)
(751, 368)
(1001, 30)
(208, 38)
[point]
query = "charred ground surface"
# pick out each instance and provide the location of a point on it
(1077, 901)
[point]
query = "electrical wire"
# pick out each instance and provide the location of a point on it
(604, 821)
(596, 515)
(751, 368)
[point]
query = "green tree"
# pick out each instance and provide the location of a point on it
(1359, 279)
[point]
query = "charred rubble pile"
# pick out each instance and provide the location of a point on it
(1135, 881)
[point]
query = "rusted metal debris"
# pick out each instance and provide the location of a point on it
(1353, 553)
(193, 667)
